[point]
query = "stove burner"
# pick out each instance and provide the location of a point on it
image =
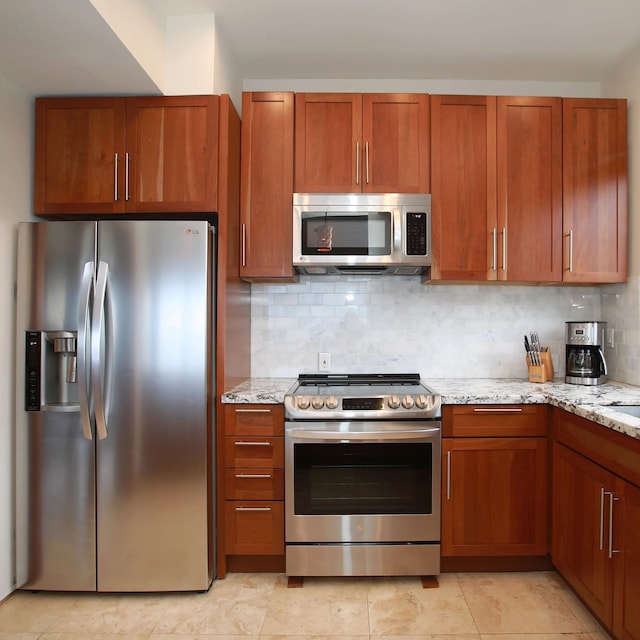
(336, 379)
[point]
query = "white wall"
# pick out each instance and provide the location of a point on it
(141, 30)
(189, 55)
(462, 87)
(16, 178)
(621, 303)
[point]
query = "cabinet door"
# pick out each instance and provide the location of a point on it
(463, 187)
(580, 537)
(529, 149)
(253, 452)
(395, 139)
(79, 155)
(172, 148)
(254, 419)
(595, 190)
(254, 528)
(327, 143)
(626, 624)
(495, 497)
(266, 196)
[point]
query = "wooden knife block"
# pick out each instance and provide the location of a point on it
(543, 372)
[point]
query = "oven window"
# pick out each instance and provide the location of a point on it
(365, 234)
(367, 478)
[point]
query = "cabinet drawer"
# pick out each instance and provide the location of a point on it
(254, 484)
(504, 420)
(254, 452)
(254, 528)
(254, 419)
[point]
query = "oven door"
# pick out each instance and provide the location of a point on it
(362, 481)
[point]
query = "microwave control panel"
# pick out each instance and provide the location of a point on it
(416, 233)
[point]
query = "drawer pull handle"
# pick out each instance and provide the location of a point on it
(253, 475)
(253, 410)
(253, 508)
(243, 443)
(509, 410)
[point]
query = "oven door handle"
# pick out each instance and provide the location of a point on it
(346, 436)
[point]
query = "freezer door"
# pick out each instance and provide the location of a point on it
(55, 462)
(154, 482)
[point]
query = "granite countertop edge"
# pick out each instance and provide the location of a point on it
(596, 403)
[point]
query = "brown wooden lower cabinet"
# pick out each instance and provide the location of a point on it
(494, 479)
(254, 527)
(596, 519)
(253, 487)
(579, 518)
(495, 497)
(627, 580)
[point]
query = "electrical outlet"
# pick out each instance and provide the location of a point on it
(611, 340)
(324, 362)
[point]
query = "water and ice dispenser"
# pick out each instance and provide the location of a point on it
(51, 371)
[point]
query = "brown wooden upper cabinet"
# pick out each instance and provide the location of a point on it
(117, 155)
(374, 143)
(595, 190)
(496, 188)
(266, 193)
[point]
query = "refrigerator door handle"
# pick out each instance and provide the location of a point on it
(86, 285)
(97, 331)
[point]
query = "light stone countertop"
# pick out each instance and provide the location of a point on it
(594, 403)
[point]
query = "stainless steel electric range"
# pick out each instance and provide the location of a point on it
(362, 476)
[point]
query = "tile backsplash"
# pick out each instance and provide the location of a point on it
(394, 324)
(621, 312)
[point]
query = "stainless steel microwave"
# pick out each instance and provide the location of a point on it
(353, 233)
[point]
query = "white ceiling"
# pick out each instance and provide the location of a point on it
(65, 47)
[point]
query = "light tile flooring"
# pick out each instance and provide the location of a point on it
(480, 606)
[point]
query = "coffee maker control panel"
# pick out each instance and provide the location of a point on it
(586, 333)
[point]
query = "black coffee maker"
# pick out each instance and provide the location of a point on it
(585, 356)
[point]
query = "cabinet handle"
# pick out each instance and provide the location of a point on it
(494, 259)
(612, 499)
(262, 476)
(115, 178)
(504, 248)
(126, 177)
(243, 443)
(358, 162)
(497, 410)
(602, 494)
(366, 159)
(253, 508)
(244, 244)
(253, 410)
(571, 251)
(448, 475)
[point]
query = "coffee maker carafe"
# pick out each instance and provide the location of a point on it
(585, 357)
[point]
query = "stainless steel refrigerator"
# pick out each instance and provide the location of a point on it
(115, 406)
